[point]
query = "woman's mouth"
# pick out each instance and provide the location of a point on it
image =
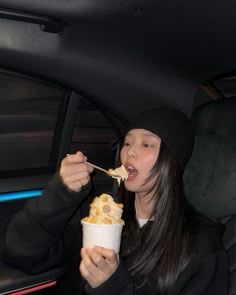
(132, 172)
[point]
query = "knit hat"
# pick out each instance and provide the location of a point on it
(172, 126)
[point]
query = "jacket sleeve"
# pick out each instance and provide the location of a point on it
(120, 283)
(208, 276)
(34, 239)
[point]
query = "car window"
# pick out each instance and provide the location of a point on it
(97, 138)
(94, 135)
(37, 127)
(28, 117)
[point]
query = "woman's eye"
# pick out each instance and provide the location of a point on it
(126, 144)
(147, 145)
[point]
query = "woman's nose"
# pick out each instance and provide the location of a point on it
(132, 152)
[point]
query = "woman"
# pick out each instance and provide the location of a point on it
(166, 247)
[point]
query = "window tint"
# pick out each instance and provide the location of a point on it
(28, 117)
(94, 135)
(226, 85)
(40, 123)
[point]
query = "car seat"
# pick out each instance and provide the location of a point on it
(210, 176)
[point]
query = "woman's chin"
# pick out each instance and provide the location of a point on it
(131, 186)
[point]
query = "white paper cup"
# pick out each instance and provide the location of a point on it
(104, 235)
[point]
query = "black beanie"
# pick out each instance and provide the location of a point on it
(172, 126)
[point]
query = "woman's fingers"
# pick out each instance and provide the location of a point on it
(98, 264)
(89, 271)
(108, 254)
(75, 172)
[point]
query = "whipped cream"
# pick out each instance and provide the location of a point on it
(104, 210)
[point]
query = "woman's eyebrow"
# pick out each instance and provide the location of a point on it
(150, 135)
(143, 135)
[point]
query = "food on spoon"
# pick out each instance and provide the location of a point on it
(119, 173)
(104, 210)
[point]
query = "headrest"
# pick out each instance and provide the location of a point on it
(210, 175)
(216, 117)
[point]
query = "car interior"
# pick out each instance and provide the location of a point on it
(74, 73)
(210, 174)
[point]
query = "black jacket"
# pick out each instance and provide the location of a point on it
(47, 233)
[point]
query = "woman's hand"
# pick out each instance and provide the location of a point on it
(98, 264)
(75, 172)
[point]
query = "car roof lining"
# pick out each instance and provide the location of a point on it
(163, 57)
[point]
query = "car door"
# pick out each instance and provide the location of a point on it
(40, 123)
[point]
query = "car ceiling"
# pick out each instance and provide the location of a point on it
(124, 55)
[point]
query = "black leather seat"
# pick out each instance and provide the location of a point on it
(210, 176)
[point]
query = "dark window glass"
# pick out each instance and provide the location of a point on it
(226, 85)
(28, 116)
(94, 135)
(32, 132)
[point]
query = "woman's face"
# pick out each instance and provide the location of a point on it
(139, 154)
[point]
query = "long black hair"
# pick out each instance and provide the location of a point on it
(159, 251)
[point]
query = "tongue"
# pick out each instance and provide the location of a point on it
(132, 173)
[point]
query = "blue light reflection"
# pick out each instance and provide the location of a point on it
(20, 195)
